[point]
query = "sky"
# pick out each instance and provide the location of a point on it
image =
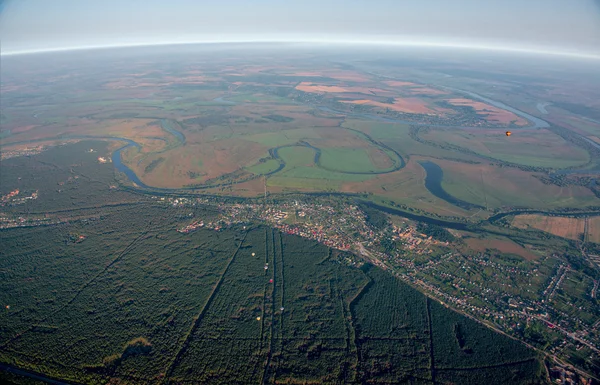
(565, 27)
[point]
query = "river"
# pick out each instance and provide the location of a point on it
(577, 214)
(116, 156)
(591, 171)
(537, 122)
(542, 107)
(419, 218)
(121, 167)
(167, 125)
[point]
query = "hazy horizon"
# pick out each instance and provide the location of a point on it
(558, 27)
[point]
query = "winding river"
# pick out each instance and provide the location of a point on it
(576, 214)
(537, 122)
(121, 167)
(274, 152)
(420, 218)
(434, 173)
(167, 125)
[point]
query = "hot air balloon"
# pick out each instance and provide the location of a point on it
(508, 133)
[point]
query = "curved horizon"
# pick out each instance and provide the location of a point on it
(405, 43)
(560, 28)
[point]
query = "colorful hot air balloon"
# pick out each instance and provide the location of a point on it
(508, 133)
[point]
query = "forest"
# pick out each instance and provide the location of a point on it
(227, 307)
(435, 231)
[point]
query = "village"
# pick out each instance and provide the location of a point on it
(13, 198)
(24, 151)
(335, 228)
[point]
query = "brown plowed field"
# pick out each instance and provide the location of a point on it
(394, 83)
(427, 91)
(408, 105)
(502, 245)
(318, 88)
(565, 227)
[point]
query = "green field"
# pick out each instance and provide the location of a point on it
(540, 148)
(319, 173)
(347, 160)
(574, 296)
(504, 187)
(297, 156)
(257, 98)
(281, 138)
(301, 172)
(264, 168)
(314, 178)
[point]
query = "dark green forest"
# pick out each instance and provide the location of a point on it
(435, 231)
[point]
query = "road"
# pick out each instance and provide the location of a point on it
(34, 375)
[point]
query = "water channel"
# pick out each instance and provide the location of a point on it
(419, 218)
(167, 125)
(121, 167)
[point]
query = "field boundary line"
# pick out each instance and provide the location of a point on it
(407, 338)
(490, 366)
(355, 339)
(483, 188)
(35, 375)
(429, 323)
(351, 349)
(200, 315)
(272, 287)
(121, 204)
(282, 306)
(262, 314)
